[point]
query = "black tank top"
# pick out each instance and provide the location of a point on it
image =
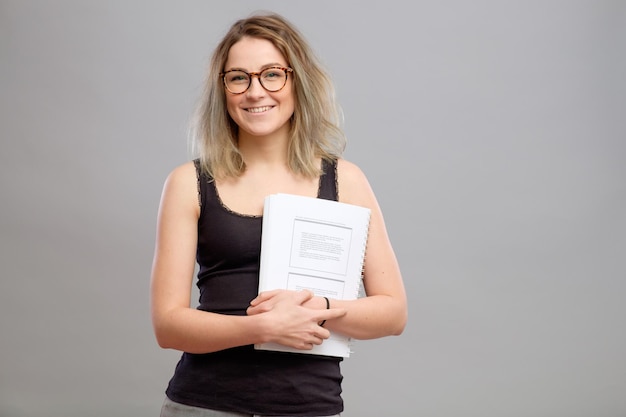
(243, 379)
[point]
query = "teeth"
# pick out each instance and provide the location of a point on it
(259, 109)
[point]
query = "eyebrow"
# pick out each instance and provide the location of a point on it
(273, 64)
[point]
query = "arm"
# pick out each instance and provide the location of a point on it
(176, 324)
(383, 311)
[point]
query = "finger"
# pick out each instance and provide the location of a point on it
(251, 311)
(331, 313)
(261, 307)
(322, 334)
(264, 296)
(303, 296)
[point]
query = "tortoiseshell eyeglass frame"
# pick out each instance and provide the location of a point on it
(258, 75)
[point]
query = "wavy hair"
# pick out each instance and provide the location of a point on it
(315, 125)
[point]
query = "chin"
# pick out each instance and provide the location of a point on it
(261, 131)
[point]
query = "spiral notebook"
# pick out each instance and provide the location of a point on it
(314, 244)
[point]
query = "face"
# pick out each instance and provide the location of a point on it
(259, 112)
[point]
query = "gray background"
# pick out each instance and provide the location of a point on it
(492, 132)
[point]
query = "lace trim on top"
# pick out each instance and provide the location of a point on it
(257, 216)
(225, 207)
(196, 163)
(334, 165)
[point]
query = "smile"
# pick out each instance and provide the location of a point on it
(259, 109)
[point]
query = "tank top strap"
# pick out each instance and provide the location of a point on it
(204, 190)
(328, 189)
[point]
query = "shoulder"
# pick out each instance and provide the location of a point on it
(354, 188)
(349, 171)
(182, 175)
(181, 186)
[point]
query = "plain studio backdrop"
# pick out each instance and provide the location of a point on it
(492, 132)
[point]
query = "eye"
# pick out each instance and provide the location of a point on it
(236, 77)
(273, 74)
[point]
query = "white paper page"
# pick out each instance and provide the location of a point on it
(315, 245)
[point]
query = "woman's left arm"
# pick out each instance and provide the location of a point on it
(383, 311)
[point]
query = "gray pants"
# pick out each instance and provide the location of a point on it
(172, 409)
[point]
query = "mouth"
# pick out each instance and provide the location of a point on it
(258, 109)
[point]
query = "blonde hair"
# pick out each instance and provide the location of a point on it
(315, 125)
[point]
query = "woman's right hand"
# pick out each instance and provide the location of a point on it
(289, 322)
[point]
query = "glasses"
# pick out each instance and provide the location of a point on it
(272, 79)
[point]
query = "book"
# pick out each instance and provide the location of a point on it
(313, 244)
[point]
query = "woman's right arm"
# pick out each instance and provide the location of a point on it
(176, 324)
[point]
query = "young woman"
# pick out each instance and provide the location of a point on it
(267, 124)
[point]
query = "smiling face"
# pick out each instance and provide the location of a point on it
(257, 111)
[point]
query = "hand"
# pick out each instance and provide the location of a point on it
(290, 322)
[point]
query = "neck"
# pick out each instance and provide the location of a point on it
(264, 150)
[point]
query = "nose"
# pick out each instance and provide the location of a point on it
(255, 89)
